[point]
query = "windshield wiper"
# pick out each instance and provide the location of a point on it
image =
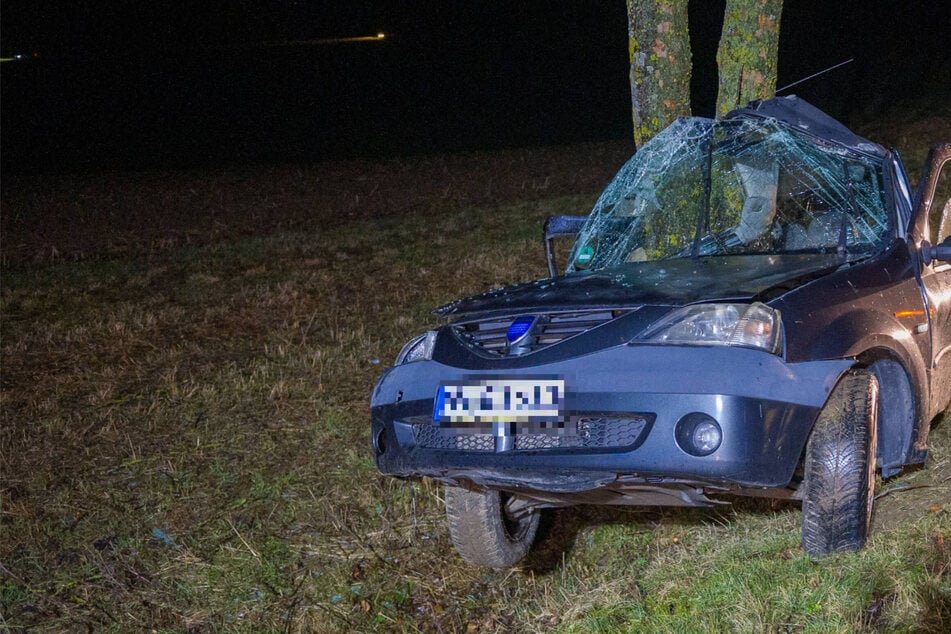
(703, 219)
(843, 228)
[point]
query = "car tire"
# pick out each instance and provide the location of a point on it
(839, 469)
(483, 532)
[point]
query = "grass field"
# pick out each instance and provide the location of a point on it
(186, 368)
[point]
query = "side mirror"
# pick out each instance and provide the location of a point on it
(558, 227)
(940, 252)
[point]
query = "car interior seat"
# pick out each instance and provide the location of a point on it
(823, 232)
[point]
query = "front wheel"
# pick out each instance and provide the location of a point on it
(484, 528)
(840, 468)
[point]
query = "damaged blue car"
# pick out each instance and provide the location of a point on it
(756, 306)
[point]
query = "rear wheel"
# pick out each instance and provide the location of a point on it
(486, 530)
(840, 468)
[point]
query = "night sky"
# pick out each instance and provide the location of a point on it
(171, 84)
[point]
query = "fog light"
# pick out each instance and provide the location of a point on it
(698, 434)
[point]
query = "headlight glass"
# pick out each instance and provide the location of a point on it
(747, 325)
(418, 348)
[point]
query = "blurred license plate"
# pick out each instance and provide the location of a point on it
(506, 400)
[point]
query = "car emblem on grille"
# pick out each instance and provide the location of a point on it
(519, 329)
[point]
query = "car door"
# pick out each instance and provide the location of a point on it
(932, 224)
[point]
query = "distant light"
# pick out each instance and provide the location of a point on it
(17, 57)
(376, 37)
(343, 40)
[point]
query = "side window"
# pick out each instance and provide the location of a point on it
(939, 221)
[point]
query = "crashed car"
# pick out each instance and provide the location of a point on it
(756, 305)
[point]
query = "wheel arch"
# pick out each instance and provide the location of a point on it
(902, 424)
(878, 341)
(901, 419)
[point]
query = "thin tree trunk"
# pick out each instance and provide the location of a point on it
(746, 59)
(659, 42)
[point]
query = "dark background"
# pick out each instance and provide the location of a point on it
(171, 84)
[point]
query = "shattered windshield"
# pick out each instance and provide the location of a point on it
(706, 188)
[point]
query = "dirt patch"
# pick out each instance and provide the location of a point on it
(919, 490)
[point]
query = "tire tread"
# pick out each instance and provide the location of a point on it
(478, 531)
(840, 468)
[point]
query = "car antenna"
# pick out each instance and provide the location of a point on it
(821, 72)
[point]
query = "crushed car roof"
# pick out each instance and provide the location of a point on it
(803, 116)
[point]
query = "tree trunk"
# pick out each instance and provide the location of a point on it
(749, 45)
(659, 42)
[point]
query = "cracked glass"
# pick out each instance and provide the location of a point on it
(704, 188)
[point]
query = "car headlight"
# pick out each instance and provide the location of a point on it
(747, 325)
(418, 348)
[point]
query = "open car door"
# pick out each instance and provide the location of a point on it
(931, 230)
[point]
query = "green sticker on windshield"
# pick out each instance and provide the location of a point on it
(584, 256)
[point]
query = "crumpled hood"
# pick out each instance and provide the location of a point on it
(664, 282)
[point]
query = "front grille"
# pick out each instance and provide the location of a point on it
(489, 334)
(536, 442)
(587, 432)
(612, 432)
(431, 437)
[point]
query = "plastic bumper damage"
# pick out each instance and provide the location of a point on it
(621, 436)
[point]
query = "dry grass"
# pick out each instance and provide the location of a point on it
(53, 218)
(184, 424)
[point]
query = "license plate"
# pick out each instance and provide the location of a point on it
(502, 400)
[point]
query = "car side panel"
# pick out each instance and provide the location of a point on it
(865, 311)
(929, 222)
(937, 280)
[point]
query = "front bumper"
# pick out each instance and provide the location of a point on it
(764, 406)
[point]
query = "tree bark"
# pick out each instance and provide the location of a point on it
(659, 44)
(746, 58)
